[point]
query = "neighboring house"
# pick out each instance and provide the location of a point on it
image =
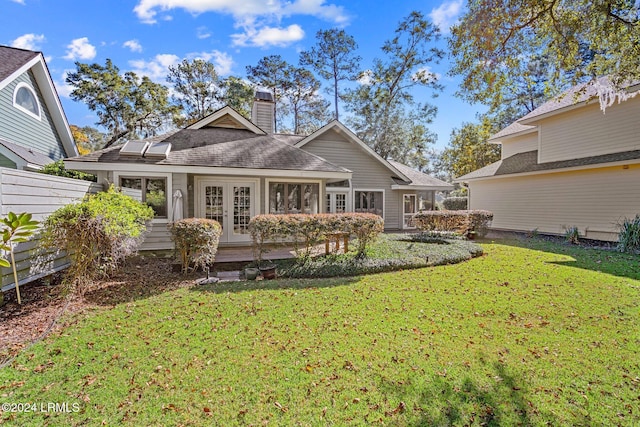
(565, 164)
(229, 168)
(33, 127)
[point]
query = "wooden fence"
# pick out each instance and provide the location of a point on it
(40, 195)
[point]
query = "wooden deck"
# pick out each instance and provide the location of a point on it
(244, 254)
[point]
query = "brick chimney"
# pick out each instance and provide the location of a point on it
(263, 111)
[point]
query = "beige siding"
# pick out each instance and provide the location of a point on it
(586, 132)
(519, 144)
(593, 200)
(368, 173)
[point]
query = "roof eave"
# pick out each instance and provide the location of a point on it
(547, 171)
(94, 166)
(423, 187)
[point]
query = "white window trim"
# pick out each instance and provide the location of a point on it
(35, 96)
(267, 190)
(201, 181)
(415, 206)
(344, 190)
(168, 176)
(380, 190)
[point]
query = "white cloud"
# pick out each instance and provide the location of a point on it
(157, 68)
(446, 15)
(147, 10)
(80, 49)
(133, 45)
(221, 60)
(28, 41)
(22, 2)
(203, 33)
(268, 36)
(62, 87)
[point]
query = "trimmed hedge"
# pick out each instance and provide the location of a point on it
(455, 203)
(310, 230)
(196, 240)
(460, 222)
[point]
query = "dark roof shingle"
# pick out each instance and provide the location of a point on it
(221, 147)
(11, 59)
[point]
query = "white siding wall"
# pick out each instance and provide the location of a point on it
(593, 200)
(368, 173)
(519, 144)
(586, 132)
(40, 195)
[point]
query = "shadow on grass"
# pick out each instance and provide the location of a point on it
(499, 401)
(278, 284)
(585, 257)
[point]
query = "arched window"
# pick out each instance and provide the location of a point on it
(25, 99)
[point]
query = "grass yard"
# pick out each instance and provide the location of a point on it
(531, 333)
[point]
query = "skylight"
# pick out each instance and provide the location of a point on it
(134, 148)
(158, 149)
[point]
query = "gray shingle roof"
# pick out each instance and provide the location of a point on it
(418, 178)
(12, 59)
(27, 154)
(221, 147)
(528, 162)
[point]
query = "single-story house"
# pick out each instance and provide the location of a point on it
(228, 168)
(565, 164)
(33, 127)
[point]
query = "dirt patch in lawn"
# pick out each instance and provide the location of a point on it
(43, 304)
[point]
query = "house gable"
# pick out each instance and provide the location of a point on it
(336, 131)
(229, 118)
(587, 131)
(24, 129)
(49, 134)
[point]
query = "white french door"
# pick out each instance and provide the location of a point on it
(232, 204)
(337, 202)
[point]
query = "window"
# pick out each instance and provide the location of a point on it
(425, 200)
(369, 202)
(293, 198)
(25, 99)
(152, 191)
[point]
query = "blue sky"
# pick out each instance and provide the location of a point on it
(147, 36)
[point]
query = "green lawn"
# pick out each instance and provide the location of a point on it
(531, 333)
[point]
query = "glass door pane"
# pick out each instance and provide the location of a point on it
(241, 209)
(214, 203)
(409, 209)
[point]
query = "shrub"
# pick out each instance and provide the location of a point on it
(59, 169)
(460, 222)
(97, 233)
(479, 221)
(455, 203)
(447, 221)
(196, 240)
(572, 235)
(309, 230)
(629, 235)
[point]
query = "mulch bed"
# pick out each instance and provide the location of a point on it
(42, 304)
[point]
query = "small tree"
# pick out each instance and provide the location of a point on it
(15, 229)
(97, 233)
(196, 240)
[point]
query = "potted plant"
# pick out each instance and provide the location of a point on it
(251, 273)
(268, 271)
